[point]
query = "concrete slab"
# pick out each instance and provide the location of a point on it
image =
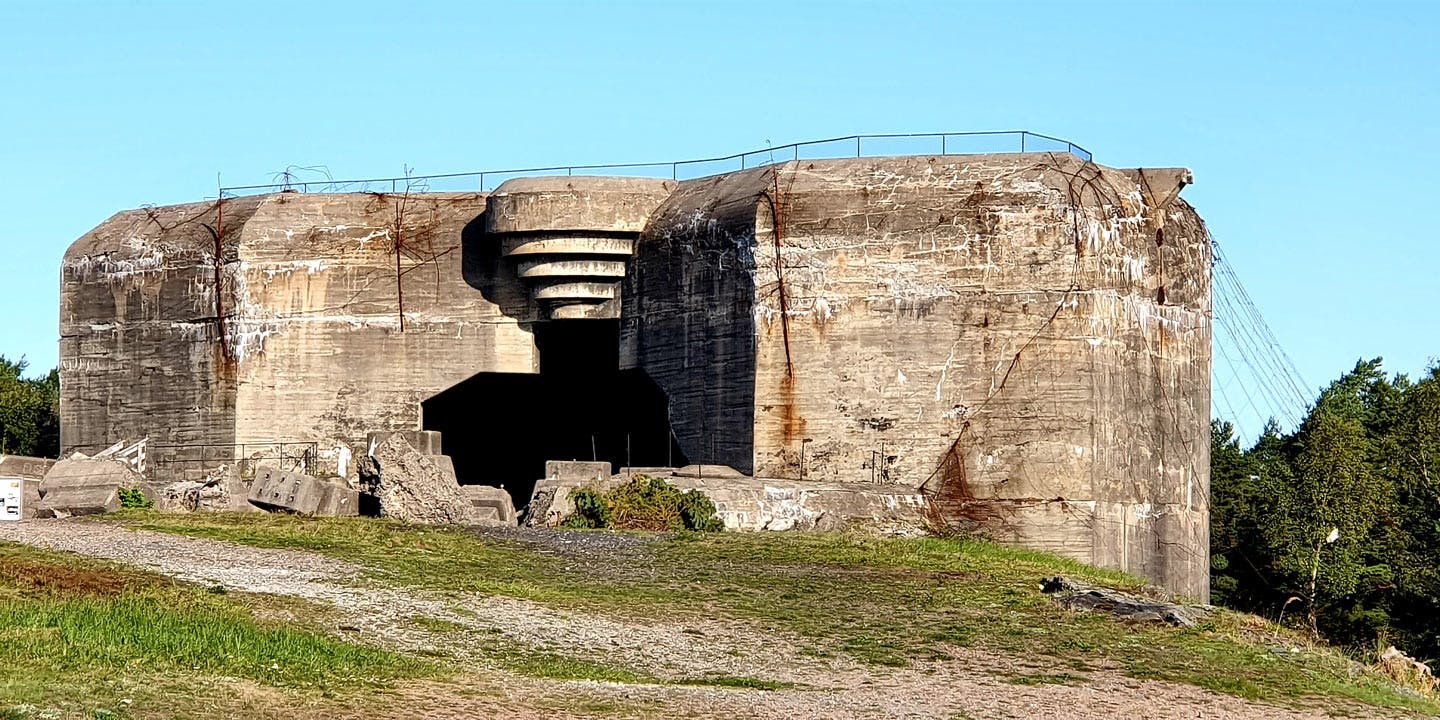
(486, 497)
(339, 501)
(76, 500)
(577, 471)
(425, 442)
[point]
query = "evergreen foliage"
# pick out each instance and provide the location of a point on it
(643, 503)
(1365, 464)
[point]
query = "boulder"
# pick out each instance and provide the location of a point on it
(1077, 595)
(1407, 670)
(410, 486)
(85, 486)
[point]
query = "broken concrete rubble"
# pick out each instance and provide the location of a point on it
(85, 486)
(278, 490)
(1407, 670)
(221, 489)
(412, 487)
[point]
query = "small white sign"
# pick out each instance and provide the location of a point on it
(12, 499)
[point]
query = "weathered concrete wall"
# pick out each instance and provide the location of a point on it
(312, 348)
(139, 340)
(688, 318)
(1045, 318)
(323, 356)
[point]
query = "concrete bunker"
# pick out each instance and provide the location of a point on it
(1010, 315)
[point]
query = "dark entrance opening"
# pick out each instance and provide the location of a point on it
(500, 428)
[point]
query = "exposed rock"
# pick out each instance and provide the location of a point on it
(412, 487)
(85, 486)
(1407, 670)
(1077, 595)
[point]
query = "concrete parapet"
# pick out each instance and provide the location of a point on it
(746, 503)
(578, 471)
(425, 442)
(20, 466)
(597, 204)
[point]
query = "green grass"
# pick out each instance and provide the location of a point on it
(1046, 679)
(77, 631)
(889, 602)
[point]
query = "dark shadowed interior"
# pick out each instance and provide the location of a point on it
(500, 428)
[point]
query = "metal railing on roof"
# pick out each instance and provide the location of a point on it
(958, 143)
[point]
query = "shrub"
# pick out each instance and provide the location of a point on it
(134, 497)
(591, 509)
(643, 503)
(697, 512)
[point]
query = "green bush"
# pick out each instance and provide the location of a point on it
(591, 509)
(643, 503)
(697, 512)
(134, 497)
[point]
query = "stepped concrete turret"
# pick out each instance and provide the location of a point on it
(570, 238)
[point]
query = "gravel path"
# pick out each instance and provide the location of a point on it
(973, 684)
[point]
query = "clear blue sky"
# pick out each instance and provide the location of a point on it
(1311, 127)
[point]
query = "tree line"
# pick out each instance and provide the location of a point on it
(1336, 525)
(29, 411)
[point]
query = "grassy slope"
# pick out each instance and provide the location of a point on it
(884, 601)
(92, 638)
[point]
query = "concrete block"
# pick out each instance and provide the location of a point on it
(85, 486)
(577, 470)
(20, 466)
(339, 500)
(85, 472)
(291, 492)
(264, 476)
(446, 465)
(425, 442)
(484, 496)
(32, 498)
(308, 494)
(74, 500)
